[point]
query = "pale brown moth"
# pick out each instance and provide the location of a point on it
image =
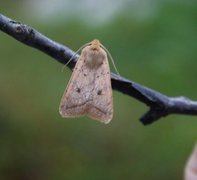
(89, 90)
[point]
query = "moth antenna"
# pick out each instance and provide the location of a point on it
(74, 55)
(112, 60)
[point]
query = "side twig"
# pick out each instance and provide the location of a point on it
(160, 105)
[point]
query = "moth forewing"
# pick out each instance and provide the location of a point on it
(89, 90)
(102, 104)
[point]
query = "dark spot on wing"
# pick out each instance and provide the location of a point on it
(78, 90)
(85, 74)
(99, 92)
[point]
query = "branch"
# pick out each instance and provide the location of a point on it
(160, 105)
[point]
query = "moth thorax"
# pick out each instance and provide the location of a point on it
(94, 60)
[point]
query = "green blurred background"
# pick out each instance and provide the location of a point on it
(153, 42)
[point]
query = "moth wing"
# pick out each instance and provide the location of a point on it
(77, 94)
(102, 105)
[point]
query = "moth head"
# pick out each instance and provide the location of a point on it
(95, 44)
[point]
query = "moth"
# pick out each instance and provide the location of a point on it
(89, 91)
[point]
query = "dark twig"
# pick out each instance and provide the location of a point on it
(160, 105)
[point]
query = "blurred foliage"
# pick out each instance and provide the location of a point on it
(36, 143)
